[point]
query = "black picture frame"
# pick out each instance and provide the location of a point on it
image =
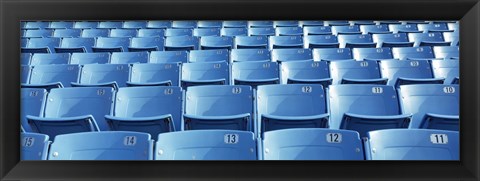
(14, 11)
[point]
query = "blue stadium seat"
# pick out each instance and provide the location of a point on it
(216, 42)
(407, 53)
(240, 55)
(32, 102)
(317, 30)
(206, 73)
(72, 110)
(375, 29)
(107, 44)
(408, 72)
(41, 45)
(34, 146)
(158, 74)
(147, 44)
(152, 109)
(184, 24)
(159, 24)
(134, 24)
(278, 42)
(37, 24)
(206, 32)
(436, 27)
(432, 106)
(66, 33)
(356, 41)
(320, 41)
(103, 75)
(446, 52)
(94, 33)
(332, 54)
(85, 25)
(447, 69)
(412, 144)
(260, 24)
(372, 53)
(364, 108)
(108, 145)
(209, 24)
(110, 24)
(428, 39)
(362, 22)
(404, 28)
(42, 33)
(312, 144)
(206, 145)
(452, 37)
(392, 40)
(123, 33)
(254, 73)
(129, 57)
(25, 58)
(415, 22)
(264, 31)
(289, 23)
(89, 58)
(25, 71)
(336, 23)
(50, 59)
(76, 45)
(288, 31)
(235, 24)
(178, 32)
(151, 33)
(227, 107)
(349, 30)
(453, 26)
(177, 43)
(168, 57)
(305, 72)
(217, 55)
(233, 32)
(310, 23)
(23, 42)
(297, 54)
(53, 76)
(356, 72)
(291, 106)
(242, 42)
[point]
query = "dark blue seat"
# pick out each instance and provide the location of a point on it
(336, 23)
(110, 24)
(320, 41)
(85, 24)
(435, 27)
(206, 73)
(332, 54)
(235, 24)
(151, 33)
(25, 58)
(278, 42)
(42, 33)
(157, 74)
(214, 55)
(143, 44)
(25, 71)
(356, 72)
(349, 30)
(168, 57)
(184, 24)
(209, 24)
(242, 42)
(178, 32)
(240, 55)
(375, 29)
(37, 24)
(134, 24)
(309, 23)
(255, 73)
(362, 22)
(293, 54)
(260, 24)
(90, 58)
(404, 28)
(305, 72)
(285, 23)
(34, 146)
(159, 24)
(415, 53)
(66, 33)
(408, 72)
(129, 57)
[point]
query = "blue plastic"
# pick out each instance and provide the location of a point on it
(305, 72)
(123, 33)
(206, 32)
(288, 31)
(392, 40)
(209, 24)
(321, 41)
(168, 57)
(279, 42)
(428, 39)
(453, 37)
(216, 42)
(37, 24)
(90, 58)
(372, 53)
(294, 54)
(356, 72)
(146, 44)
(108, 44)
(408, 72)
(129, 57)
(76, 45)
(159, 24)
(261, 31)
(178, 32)
(206, 73)
(235, 24)
(25, 71)
(255, 73)
(65, 33)
(184, 24)
(42, 33)
(435, 27)
(50, 59)
(356, 41)
(85, 24)
(317, 30)
(103, 75)
(339, 30)
(161, 74)
(34, 146)
(232, 32)
(53, 76)
(375, 29)
(179, 43)
(406, 53)
(41, 45)
(332, 54)
(213, 55)
(403, 28)
(151, 33)
(260, 24)
(310, 23)
(110, 24)
(134, 24)
(25, 58)
(241, 55)
(94, 33)
(32, 103)
(447, 69)
(285, 23)
(446, 52)
(251, 42)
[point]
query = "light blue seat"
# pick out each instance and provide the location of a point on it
(285, 23)
(76, 45)
(235, 24)
(447, 69)
(159, 24)
(404, 28)
(153, 109)
(25, 71)
(232, 32)
(412, 144)
(209, 24)
(151, 33)
(65, 33)
(168, 57)
(158, 74)
(294, 54)
(25, 58)
(216, 42)
(289, 31)
(453, 37)
(129, 57)
(305, 72)
(254, 73)
(240, 55)
(372, 53)
(428, 39)
(72, 110)
(37, 24)
(53, 76)
(406, 53)
(205, 73)
(310, 23)
(178, 32)
(435, 27)
(392, 40)
(90, 58)
(32, 103)
(317, 30)
(249, 42)
(312, 144)
(320, 41)
(446, 52)
(41, 45)
(206, 32)
(278, 42)
(336, 23)
(349, 30)
(134, 24)
(123, 33)
(50, 59)
(108, 145)
(261, 31)
(227, 107)
(206, 145)
(179, 43)
(356, 41)
(85, 24)
(109, 44)
(454, 26)
(375, 29)
(260, 24)
(432, 106)
(364, 108)
(356, 72)
(61, 25)
(94, 33)
(332, 54)
(34, 146)
(291, 106)
(214, 55)
(42, 33)
(110, 24)
(103, 75)
(408, 72)
(184, 24)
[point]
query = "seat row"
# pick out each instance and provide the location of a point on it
(286, 144)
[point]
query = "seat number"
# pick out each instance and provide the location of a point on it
(449, 90)
(237, 90)
(414, 63)
(231, 138)
(130, 140)
(377, 90)
(334, 137)
(439, 138)
(307, 89)
(28, 141)
(364, 64)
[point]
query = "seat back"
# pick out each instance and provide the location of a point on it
(34, 146)
(448, 69)
(209, 24)
(50, 59)
(148, 42)
(322, 54)
(42, 33)
(86, 43)
(216, 42)
(288, 30)
(260, 24)
(48, 74)
(154, 73)
(240, 55)
(232, 32)
(85, 24)
(346, 29)
(90, 58)
(374, 29)
(235, 24)
(32, 103)
(320, 41)
(94, 33)
(403, 28)
(116, 42)
(372, 53)
(206, 71)
(159, 24)
(206, 32)
(168, 57)
(184, 24)
(276, 42)
(303, 70)
(404, 53)
(218, 55)
(446, 52)
(249, 42)
(49, 43)
(393, 70)
(151, 33)
(261, 31)
(341, 70)
(178, 32)
(104, 73)
(317, 30)
(123, 33)
(254, 73)
(134, 24)
(129, 57)
(294, 54)
(64, 33)
(181, 43)
(110, 24)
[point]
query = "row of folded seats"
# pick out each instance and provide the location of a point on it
(295, 121)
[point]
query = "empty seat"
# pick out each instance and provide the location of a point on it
(34, 146)
(291, 106)
(107, 44)
(305, 72)
(25, 58)
(404, 28)
(89, 58)
(260, 24)
(320, 41)
(151, 33)
(254, 73)
(375, 29)
(206, 73)
(288, 31)
(153, 109)
(407, 53)
(452, 37)
(177, 43)
(85, 24)
(61, 25)
(64, 33)
(362, 22)
(147, 44)
(50, 59)
(111, 145)
(134, 24)
(296, 54)
(38, 33)
(436, 27)
(218, 55)
(309, 23)
(184, 24)
(233, 32)
(356, 72)
(110, 24)
(356, 41)
(168, 57)
(76, 45)
(129, 57)
(317, 30)
(160, 24)
(41, 45)
(72, 110)
(285, 23)
(37, 24)
(158, 74)
(428, 39)
(206, 32)
(23, 42)
(94, 33)
(228, 107)
(32, 102)
(178, 32)
(364, 108)
(408, 72)
(103, 75)
(332, 54)
(338, 30)
(277, 42)
(372, 53)
(25, 71)
(412, 144)
(453, 26)
(432, 106)
(392, 40)
(209, 24)
(216, 42)
(53, 76)
(447, 69)
(312, 144)
(446, 52)
(336, 23)
(261, 31)
(123, 33)
(251, 42)
(235, 24)
(240, 55)
(206, 145)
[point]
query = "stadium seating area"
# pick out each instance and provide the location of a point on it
(240, 90)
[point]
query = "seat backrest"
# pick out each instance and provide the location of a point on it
(312, 41)
(303, 70)
(134, 24)
(217, 55)
(178, 32)
(49, 43)
(285, 42)
(448, 69)
(404, 53)
(50, 59)
(294, 54)
(160, 24)
(32, 103)
(85, 24)
(42, 33)
(372, 29)
(45, 74)
(184, 24)
(129, 57)
(37, 24)
(288, 31)
(321, 54)
(240, 55)
(88, 43)
(251, 42)
(168, 57)
(336, 23)
(151, 33)
(372, 53)
(216, 42)
(340, 70)
(336, 30)
(393, 69)
(285, 23)
(317, 30)
(103, 73)
(260, 24)
(109, 42)
(25, 71)
(110, 24)
(206, 32)
(25, 58)
(123, 33)
(346, 39)
(206, 71)
(90, 58)
(433, 27)
(422, 37)
(34, 146)
(235, 24)
(61, 24)
(154, 73)
(209, 24)
(254, 71)
(390, 38)
(309, 23)
(61, 33)
(261, 31)
(232, 32)
(94, 33)
(398, 28)
(182, 42)
(446, 52)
